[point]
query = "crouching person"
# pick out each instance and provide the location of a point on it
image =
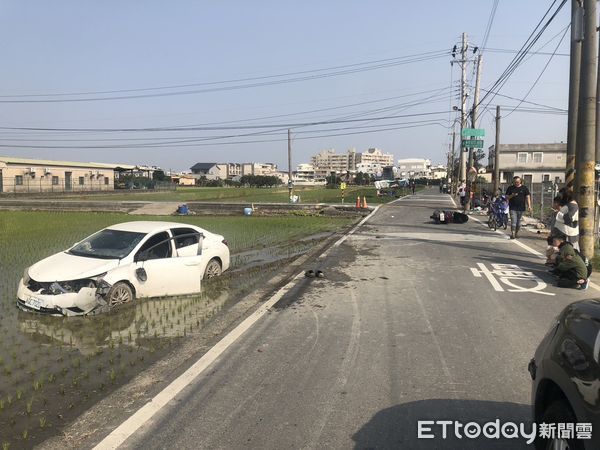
(571, 269)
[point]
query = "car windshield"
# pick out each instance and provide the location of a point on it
(108, 244)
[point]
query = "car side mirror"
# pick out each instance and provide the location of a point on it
(141, 256)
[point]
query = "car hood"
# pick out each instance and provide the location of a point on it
(64, 267)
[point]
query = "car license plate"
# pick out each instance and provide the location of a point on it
(34, 303)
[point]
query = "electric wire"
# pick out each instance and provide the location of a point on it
(340, 70)
(540, 75)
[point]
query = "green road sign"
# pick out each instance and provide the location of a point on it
(472, 143)
(480, 132)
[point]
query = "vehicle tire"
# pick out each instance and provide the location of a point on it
(559, 411)
(213, 269)
(119, 293)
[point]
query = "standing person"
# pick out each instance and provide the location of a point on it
(462, 193)
(567, 217)
(413, 186)
(519, 197)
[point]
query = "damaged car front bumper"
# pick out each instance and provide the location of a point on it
(74, 298)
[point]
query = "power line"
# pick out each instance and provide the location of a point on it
(540, 75)
(303, 76)
(277, 126)
(525, 48)
(488, 27)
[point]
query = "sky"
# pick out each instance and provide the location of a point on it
(180, 82)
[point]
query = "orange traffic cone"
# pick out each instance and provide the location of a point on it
(358, 202)
(365, 203)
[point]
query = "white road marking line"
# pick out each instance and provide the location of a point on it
(484, 270)
(530, 250)
(146, 412)
(351, 232)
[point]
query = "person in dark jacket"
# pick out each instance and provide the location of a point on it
(518, 198)
(571, 270)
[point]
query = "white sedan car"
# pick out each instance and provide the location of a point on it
(121, 263)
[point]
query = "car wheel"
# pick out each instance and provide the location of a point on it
(119, 293)
(213, 269)
(559, 411)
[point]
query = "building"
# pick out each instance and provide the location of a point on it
(376, 157)
(372, 161)
(439, 172)
(184, 179)
(534, 163)
(212, 171)
(222, 171)
(21, 175)
(414, 168)
(307, 174)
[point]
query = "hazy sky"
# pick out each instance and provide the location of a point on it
(237, 72)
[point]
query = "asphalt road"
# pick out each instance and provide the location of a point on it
(400, 329)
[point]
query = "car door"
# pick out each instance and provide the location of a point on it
(158, 273)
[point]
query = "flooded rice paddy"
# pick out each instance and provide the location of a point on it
(53, 368)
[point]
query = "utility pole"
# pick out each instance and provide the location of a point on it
(497, 152)
(474, 116)
(585, 159)
(453, 159)
(462, 172)
(574, 80)
(471, 184)
(290, 183)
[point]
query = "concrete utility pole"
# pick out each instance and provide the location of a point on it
(474, 115)
(497, 152)
(471, 163)
(462, 172)
(290, 183)
(453, 159)
(574, 80)
(585, 159)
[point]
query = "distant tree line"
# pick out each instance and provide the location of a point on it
(259, 181)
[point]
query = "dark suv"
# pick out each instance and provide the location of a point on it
(566, 377)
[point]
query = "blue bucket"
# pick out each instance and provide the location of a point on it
(247, 211)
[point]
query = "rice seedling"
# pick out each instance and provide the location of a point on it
(5, 445)
(43, 422)
(28, 406)
(48, 349)
(25, 434)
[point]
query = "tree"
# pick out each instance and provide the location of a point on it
(478, 155)
(159, 175)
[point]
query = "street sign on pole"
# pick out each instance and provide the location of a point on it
(474, 132)
(472, 143)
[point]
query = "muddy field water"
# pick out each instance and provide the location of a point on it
(53, 368)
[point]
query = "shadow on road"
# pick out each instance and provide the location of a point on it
(396, 427)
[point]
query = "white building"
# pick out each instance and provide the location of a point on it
(534, 163)
(414, 168)
(306, 174)
(371, 161)
(438, 172)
